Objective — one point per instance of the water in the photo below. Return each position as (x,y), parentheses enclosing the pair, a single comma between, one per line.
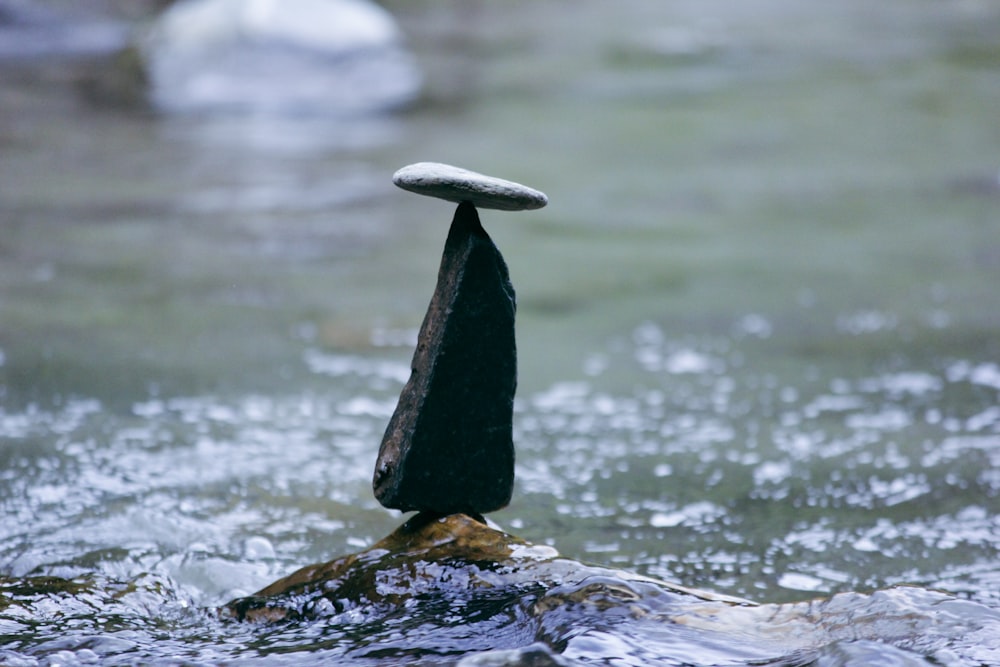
(758,335)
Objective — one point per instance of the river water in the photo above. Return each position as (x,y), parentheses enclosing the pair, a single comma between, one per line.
(758,330)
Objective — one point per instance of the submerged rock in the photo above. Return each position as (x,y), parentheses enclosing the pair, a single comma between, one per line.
(447,590)
(454,557)
(313,56)
(449,446)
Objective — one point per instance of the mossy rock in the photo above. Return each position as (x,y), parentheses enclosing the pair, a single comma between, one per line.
(455,557)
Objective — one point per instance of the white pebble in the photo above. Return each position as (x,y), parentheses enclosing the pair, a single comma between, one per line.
(455,184)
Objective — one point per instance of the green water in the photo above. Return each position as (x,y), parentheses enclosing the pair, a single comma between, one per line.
(758,323)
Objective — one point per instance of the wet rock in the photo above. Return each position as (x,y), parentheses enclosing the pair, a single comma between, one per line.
(456,557)
(356,577)
(314,56)
(443,587)
(454,184)
(449,446)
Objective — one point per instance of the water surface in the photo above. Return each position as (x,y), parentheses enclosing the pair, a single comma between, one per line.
(758,327)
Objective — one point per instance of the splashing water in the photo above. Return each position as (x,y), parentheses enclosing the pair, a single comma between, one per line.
(205,327)
(125,526)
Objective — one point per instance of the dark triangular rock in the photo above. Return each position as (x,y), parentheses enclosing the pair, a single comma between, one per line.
(449,447)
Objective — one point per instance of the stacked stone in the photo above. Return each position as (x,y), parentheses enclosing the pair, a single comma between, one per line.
(449,446)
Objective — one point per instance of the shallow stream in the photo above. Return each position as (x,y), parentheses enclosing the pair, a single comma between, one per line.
(758,329)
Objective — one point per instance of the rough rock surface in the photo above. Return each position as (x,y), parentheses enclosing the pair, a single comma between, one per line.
(454,184)
(449,446)
(456,556)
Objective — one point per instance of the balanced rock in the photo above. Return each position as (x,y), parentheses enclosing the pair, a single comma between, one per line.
(449,446)
(454,184)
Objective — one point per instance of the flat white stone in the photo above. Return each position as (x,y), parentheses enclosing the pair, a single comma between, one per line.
(458,185)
